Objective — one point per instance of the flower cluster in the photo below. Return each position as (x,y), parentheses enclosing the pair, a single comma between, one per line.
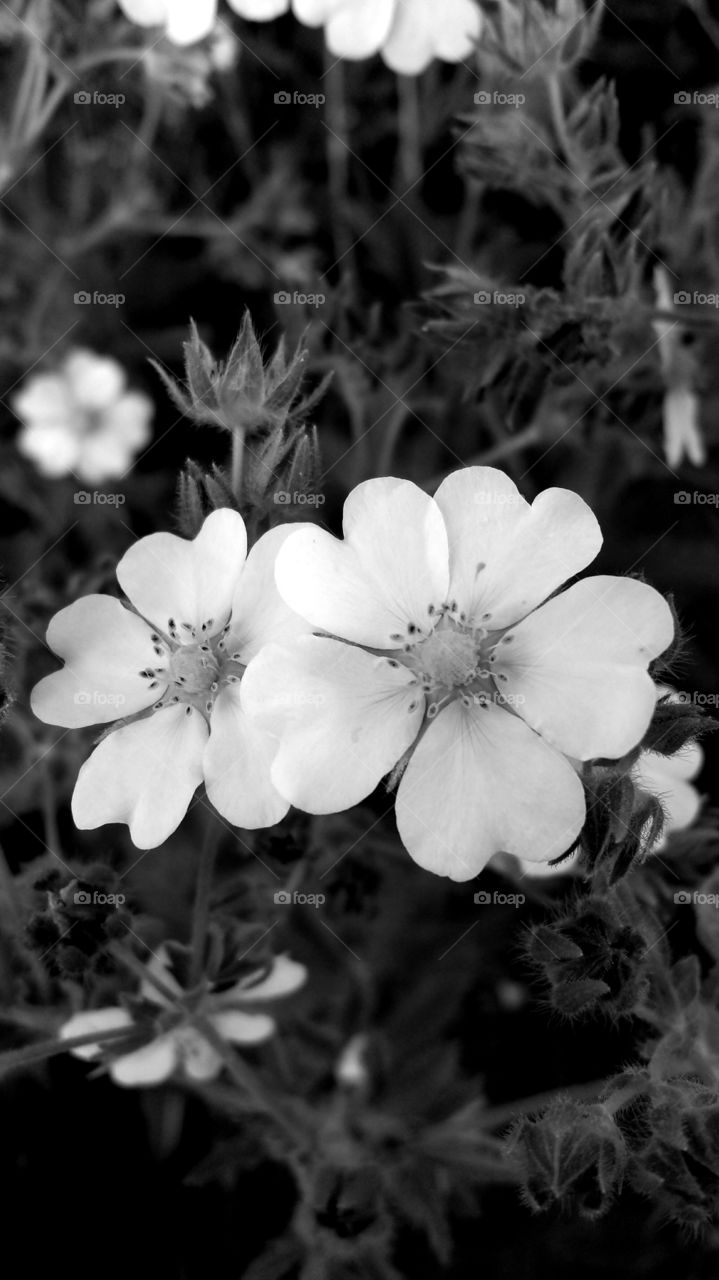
(430,644)
(82,420)
(407,35)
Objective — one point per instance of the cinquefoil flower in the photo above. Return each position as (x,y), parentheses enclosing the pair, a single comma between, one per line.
(82,420)
(439,651)
(409,34)
(186,21)
(162,1022)
(179,674)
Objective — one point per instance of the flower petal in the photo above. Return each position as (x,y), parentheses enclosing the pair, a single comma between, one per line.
(314,13)
(576,669)
(171,578)
(105,647)
(237,763)
(144,774)
(359,29)
(480,783)
(200,1059)
(53,446)
(243,1028)
(259,614)
(384,578)
(190,20)
(259,10)
(409,47)
(343,716)
(151,1064)
(668,778)
(146,13)
(95,382)
(506,556)
(285,977)
(91,1022)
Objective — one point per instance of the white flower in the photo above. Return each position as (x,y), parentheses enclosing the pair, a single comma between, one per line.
(681,407)
(409,34)
(175,1043)
(179,676)
(667,777)
(82,419)
(448,659)
(186,21)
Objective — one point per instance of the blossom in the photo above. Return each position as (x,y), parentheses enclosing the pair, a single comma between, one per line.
(175,680)
(162,1020)
(407,33)
(440,661)
(186,21)
(680,407)
(82,419)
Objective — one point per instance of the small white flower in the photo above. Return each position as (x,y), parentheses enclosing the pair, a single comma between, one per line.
(175,1044)
(681,406)
(179,675)
(186,21)
(409,34)
(82,419)
(435,651)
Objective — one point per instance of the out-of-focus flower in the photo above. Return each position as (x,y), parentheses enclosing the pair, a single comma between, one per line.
(162,1022)
(82,419)
(175,681)
(667,777)
(186,21)
(682,431)
(437,657)
(408,34)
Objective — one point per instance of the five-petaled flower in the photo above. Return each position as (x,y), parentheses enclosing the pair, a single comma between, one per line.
(82,420)
(177,678)
(446,653)
(162,1035)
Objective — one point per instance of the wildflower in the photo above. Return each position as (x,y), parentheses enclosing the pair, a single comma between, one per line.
(681,408)
(162,1019)
(186,21)
(438,662)
(82,419)
(175,681)
(408,36)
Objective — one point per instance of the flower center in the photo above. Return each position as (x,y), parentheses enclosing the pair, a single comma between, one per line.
(455,661)
(193,668)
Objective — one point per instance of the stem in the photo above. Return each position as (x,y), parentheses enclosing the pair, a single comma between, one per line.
(238,461)
(203,894)
(338,160)
(409,130)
